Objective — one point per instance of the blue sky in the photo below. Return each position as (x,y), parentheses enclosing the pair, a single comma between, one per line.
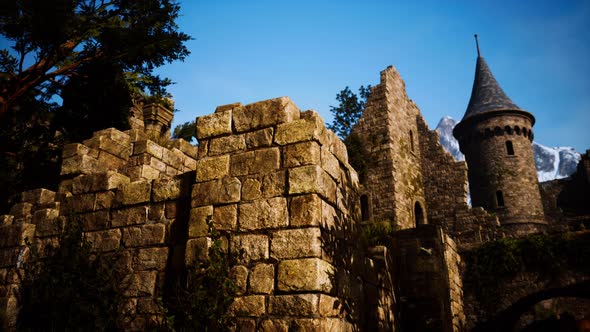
(246,51)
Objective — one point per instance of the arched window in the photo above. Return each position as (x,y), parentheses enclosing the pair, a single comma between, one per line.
(509,148)
(499,198)
(411,140)
(365,208)
(419,214)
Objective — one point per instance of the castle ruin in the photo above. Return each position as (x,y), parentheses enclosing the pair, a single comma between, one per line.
(277,186)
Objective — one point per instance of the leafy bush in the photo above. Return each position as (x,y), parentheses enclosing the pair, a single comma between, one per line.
(69,288)
(377,233)
(201,304)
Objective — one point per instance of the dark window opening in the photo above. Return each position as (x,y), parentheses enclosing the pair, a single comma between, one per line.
(419,214)
(509,148)
(412,140)
(499,198)
(365,208)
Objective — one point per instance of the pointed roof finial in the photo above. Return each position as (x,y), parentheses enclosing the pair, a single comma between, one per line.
(477,44)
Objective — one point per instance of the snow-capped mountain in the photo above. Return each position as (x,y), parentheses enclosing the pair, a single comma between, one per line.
(551,163)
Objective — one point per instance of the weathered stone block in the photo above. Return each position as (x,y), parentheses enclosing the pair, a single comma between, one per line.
(259,138)
(330,306)
(301,154)
(274,325)
(186,147)
(253,162)
(142,172)
(330,164)
(322,324)
(106,240)
(149,147)
(337,147)
(227,107)
(118,136)
(262,279)
(213,125)
(212,168)
(20,210)
(293,305)
(312,179)
(80,164)
(130,216)
(250,247)
(223,191)
(296,243)
(308,274)
(225,217)
(16,235)
(150,259)
(305,210)
(109,161)
(198,221)
(74,149)
(168,189)
(134,192)
(39,197)
(88,202)
(197,250)
(253,306)
(239,275)
(45,220)
(139,284)
(310,127)
(262,214)
(144,235)
(92,221)
(173,157)
(103,143)
(226,144)
(98,182)
(265,113)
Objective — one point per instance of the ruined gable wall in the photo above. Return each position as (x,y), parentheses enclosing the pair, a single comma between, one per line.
(394,177)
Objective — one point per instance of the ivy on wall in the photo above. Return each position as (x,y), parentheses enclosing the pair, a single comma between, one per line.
(489,267)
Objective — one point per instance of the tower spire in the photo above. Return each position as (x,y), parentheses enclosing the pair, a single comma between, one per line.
(477,45)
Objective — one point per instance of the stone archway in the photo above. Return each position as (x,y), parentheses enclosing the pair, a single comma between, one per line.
(419,217)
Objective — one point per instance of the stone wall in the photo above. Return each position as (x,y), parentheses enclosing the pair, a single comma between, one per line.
(279,186)
(389,131)
(274,183)
(427,280)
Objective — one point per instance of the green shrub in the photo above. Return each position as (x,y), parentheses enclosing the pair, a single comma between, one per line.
(69,287)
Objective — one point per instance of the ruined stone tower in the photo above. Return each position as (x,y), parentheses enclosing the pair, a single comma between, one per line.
(495,135)
(388,129)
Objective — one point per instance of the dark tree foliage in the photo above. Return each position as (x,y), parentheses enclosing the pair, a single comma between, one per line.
(349,110)
(97,98)
(93,55)
(60,36)
(186,131)
(69,288)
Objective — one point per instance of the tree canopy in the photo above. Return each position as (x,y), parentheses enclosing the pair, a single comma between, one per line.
(349,110)
(74,67)
(53,40)
(346,114)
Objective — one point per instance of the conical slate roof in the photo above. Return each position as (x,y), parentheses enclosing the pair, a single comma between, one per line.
(487,95)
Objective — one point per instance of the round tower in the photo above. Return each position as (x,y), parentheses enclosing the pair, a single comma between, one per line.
(496,137)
